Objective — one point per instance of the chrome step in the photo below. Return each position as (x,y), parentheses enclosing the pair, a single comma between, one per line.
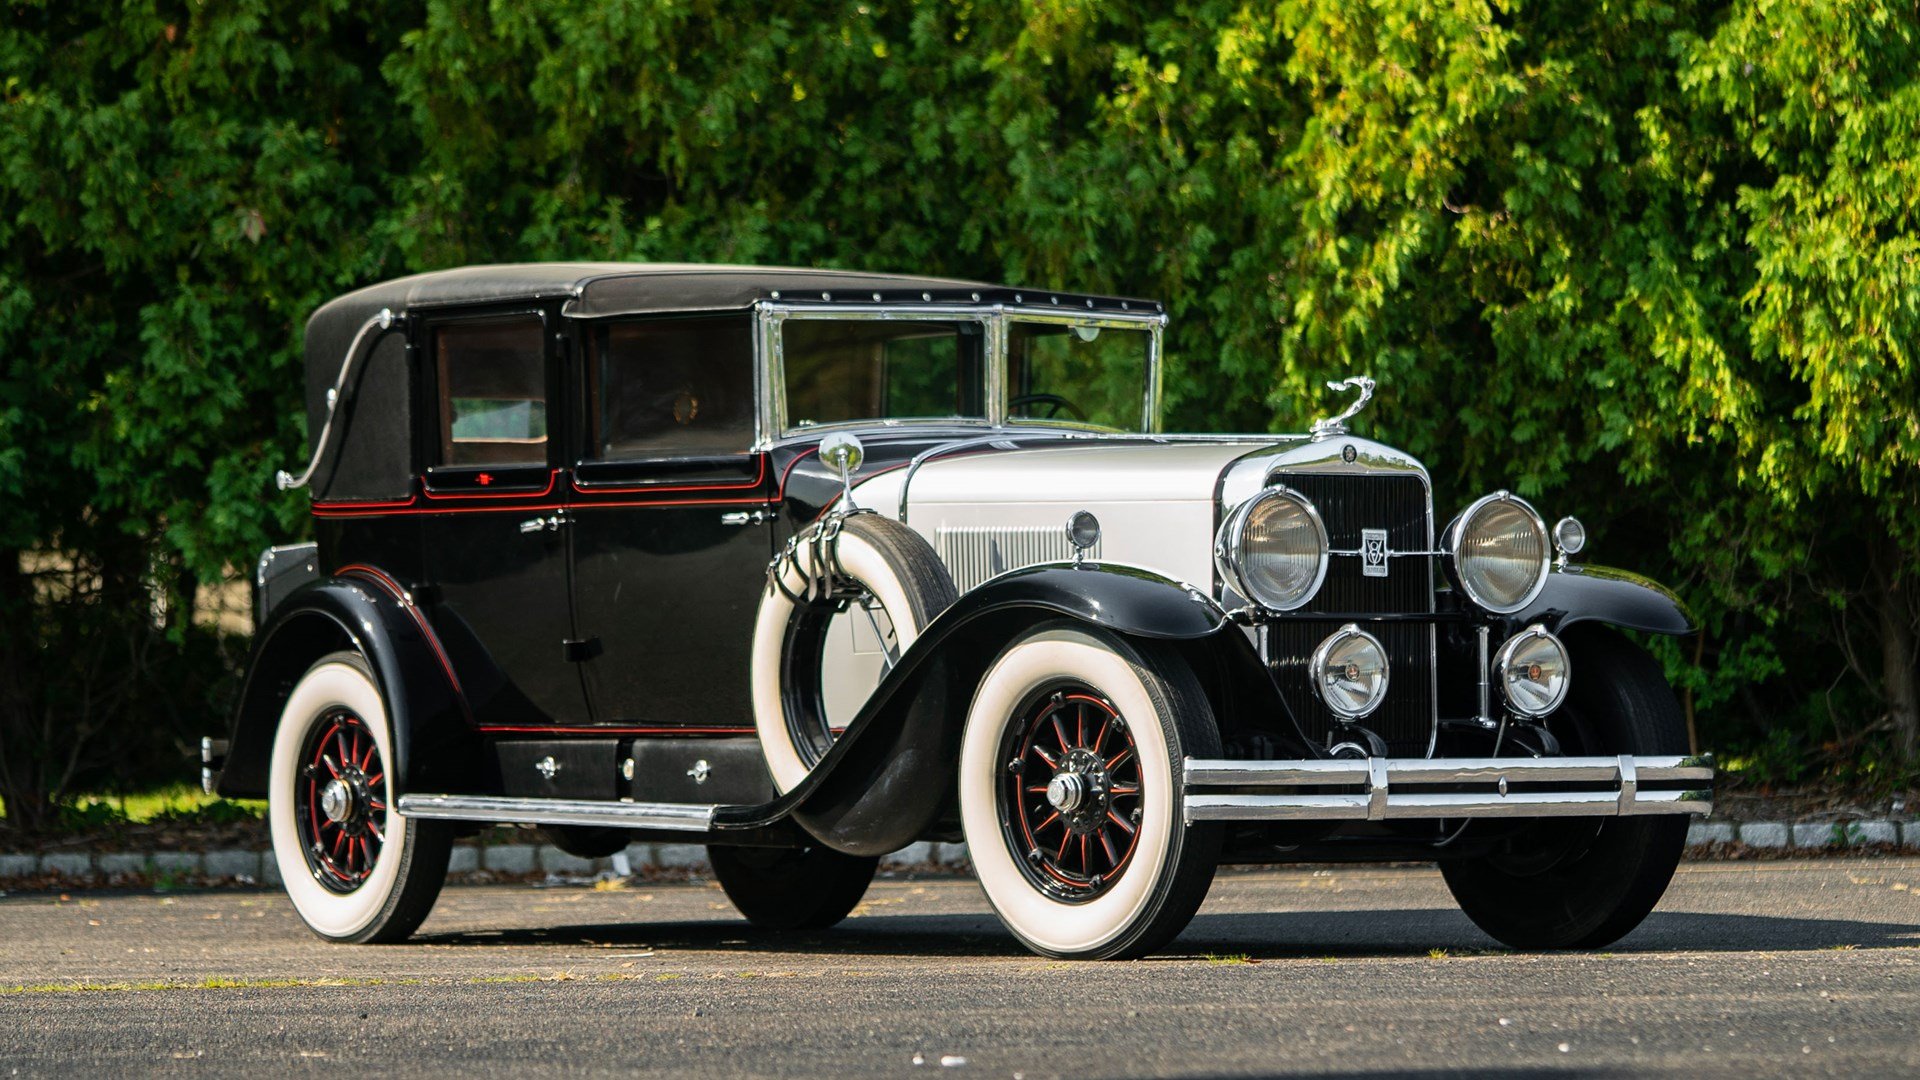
(1385,785)
(680,817)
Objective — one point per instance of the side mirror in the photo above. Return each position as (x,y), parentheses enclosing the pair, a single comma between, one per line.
(843,454)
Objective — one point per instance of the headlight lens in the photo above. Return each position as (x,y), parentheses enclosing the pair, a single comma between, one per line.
(1273,549)
(1350,672)
(1533,671)
(1497,553)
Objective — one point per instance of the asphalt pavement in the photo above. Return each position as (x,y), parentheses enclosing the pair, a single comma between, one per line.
(1747,968)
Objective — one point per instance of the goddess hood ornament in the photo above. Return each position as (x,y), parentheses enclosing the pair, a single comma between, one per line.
(1337,425)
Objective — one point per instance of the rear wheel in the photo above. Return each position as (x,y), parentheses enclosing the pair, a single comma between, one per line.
(355,870)
(1584,883)
(792,888)
(1070,793)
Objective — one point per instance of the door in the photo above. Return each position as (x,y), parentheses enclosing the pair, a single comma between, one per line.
(671,525)
(494,530)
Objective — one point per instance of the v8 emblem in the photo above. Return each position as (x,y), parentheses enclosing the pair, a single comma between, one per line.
(1373,552)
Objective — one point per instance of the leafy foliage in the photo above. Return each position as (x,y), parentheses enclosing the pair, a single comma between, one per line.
(1652,261)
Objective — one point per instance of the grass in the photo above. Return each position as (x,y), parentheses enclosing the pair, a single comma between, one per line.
(172,801)
(179,803)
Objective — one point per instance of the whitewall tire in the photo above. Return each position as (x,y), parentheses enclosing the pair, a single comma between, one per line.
(355,870)
(888,583)
(1070,793)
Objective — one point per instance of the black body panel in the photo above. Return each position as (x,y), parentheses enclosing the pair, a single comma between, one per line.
(558,768)
(671,771)
(667,586)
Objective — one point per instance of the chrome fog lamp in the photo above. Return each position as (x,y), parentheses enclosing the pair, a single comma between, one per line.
(1349,672)
(1533,671)
(1273,549)
(1497,553)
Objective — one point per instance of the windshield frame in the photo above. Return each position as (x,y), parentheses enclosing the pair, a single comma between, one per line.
(995,319)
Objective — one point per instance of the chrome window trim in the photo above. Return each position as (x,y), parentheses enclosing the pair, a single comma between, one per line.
(770,364)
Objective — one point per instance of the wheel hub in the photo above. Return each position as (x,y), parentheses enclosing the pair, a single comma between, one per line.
(336,801)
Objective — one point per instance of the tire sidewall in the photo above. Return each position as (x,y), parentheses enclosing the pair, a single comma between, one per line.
(1106,923)
(334,683)
(866,563)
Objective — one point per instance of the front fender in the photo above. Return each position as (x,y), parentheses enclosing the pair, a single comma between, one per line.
(1577,594)
(366,612)
(889,779)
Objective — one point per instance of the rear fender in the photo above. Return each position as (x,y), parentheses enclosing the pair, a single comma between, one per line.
(889,780)
(364,611)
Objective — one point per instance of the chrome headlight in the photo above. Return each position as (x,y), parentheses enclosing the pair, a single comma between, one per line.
(1497,553)
(1273,549)
(1349,672)
(1533,671)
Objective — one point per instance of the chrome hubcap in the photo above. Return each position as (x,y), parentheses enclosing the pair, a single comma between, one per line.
(1066,791)
(336,801)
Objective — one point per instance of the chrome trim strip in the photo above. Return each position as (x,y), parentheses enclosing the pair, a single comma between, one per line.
(681,817)
(1385,781)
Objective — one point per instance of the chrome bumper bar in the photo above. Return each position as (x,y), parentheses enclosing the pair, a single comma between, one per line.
(1400,789)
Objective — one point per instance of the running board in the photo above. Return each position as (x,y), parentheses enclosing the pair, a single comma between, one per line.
(677,817)
(1390,788)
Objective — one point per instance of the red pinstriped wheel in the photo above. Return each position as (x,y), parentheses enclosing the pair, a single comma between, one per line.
(341,801)
(1072,797)
(354,867)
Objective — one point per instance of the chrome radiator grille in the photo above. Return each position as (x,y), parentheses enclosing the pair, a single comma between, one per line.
(974,553)
(1398,503)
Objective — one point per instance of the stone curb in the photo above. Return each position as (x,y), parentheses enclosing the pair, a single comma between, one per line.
(505,859)
(164,867)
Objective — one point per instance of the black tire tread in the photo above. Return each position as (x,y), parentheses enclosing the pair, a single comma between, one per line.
(1599,895)
(799,889)
(929,587)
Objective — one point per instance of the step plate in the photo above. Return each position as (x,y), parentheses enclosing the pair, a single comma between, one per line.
(678,817)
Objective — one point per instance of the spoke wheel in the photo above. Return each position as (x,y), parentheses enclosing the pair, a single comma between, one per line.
(340,802)
(356,870)
(1070,795)
(1072,798)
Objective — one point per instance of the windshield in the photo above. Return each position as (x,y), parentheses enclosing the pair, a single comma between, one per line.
(1079,374)
(841,370)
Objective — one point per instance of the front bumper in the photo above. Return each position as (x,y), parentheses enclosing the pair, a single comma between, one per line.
(1403,789)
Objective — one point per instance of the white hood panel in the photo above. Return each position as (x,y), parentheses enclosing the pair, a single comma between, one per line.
(999,510)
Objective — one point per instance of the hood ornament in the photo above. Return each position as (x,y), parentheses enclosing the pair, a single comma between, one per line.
(1337,425)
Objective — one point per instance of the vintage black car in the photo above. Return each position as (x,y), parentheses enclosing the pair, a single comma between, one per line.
(809,565)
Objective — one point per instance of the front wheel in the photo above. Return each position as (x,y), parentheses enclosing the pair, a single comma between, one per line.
(355,870)
(1070,793)
(1583,883)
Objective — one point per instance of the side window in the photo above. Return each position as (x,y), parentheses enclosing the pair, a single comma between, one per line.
(493,392)
(668,387)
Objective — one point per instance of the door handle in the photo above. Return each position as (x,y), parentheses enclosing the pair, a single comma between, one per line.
(746,517)
(550,523)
